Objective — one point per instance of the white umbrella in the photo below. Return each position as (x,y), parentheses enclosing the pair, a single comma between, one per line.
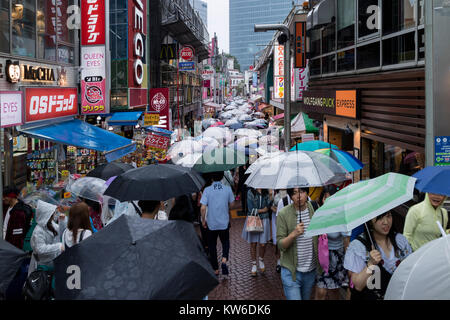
(230,107)
(88,188)
(183,148)
(255,165)
(247,132)
(208,143)
(222,135)
(297,169)
(267,149)
(268,140)
(245,117)
(189,160)
(423,275)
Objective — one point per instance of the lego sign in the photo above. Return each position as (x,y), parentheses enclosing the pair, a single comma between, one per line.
(93,22)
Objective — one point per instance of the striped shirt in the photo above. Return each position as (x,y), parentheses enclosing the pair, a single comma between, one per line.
(305,249)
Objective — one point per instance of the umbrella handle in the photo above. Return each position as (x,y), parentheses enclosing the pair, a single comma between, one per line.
(441,229)
(370,237)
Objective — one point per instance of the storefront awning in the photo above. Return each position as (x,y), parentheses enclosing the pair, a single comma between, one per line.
(212,104)
(124,118)
(262,106)
(83,135)
(278,116)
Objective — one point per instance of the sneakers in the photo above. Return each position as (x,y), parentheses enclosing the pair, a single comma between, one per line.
(254,269)
(224,269)
(261,265)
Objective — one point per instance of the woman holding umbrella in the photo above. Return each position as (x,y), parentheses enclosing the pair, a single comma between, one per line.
(375,256)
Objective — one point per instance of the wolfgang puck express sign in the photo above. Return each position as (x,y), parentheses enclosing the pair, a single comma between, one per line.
(342,103)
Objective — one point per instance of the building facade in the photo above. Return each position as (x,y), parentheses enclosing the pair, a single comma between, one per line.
(202,8)
(244,42)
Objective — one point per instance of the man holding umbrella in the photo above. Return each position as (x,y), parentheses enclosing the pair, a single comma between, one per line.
(298,253)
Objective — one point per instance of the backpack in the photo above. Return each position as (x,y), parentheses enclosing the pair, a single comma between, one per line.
(38,286)
(29,214)
(285,201)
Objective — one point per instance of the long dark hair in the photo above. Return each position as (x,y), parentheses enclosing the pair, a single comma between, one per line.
(92,204)
(183,209)
(391,235)
(50,226)
(327,189)
(79,219)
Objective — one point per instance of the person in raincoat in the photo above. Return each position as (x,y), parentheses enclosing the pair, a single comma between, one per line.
(46,239)
(420,224)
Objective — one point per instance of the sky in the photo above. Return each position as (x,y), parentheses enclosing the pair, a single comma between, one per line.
(218,22)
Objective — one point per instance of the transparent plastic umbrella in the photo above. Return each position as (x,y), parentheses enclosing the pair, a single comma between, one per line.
(88,188)
(189,160)
(32,198)
(222,135)
(247,133)
(268,140)
(182,148)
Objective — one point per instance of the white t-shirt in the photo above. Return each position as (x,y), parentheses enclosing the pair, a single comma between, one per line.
(68,236)
(281,204)
(305,248)
(5,223)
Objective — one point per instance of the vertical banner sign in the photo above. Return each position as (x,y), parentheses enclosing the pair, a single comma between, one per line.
(159,103)
(278,72)
(94,94)
(300,47)
(299,82)
(137,74)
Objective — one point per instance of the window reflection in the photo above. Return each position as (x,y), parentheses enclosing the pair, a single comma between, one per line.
(23,20)
(346,23)
(4,26)
(46,29)
(398,15)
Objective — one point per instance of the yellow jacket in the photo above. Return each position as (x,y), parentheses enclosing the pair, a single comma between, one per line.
(420,224)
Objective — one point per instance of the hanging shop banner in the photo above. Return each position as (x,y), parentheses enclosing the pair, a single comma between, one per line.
(93,80)
(137,67)
(299,82)
(344,103)
(159,103)
(278,72)
(93,22)
(11,108)
(50,103)
(157,146)
(442,151)
(151,119)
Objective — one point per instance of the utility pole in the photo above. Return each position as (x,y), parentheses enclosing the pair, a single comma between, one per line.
(287,76)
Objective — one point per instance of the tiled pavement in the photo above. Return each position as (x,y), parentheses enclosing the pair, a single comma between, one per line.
(240,285)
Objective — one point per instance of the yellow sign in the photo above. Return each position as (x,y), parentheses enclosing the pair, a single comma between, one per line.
(67,195)
(151,119)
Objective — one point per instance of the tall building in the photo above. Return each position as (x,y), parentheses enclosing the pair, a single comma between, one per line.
(202,8)
(244,14)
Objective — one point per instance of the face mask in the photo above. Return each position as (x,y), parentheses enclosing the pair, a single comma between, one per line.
(55,217)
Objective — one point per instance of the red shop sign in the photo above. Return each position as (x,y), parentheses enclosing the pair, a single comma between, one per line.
(92,22)
(50,103)
(157,141)
(159,103)
(187,54)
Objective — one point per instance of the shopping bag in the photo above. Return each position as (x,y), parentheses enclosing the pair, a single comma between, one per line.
(254,222)
(324,253)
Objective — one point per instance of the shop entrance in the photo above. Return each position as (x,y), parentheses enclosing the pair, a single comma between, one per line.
(343,139)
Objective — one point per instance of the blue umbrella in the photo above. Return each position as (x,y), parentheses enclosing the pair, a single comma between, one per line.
(313,146)
(434,180)
(236,126)
(348,161)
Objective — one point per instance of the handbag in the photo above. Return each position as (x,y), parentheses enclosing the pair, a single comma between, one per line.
(38,286)
(254,222)
(324,253)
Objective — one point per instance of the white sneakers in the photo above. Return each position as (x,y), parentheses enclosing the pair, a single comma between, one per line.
(262,268)
(254,269)
(261,265)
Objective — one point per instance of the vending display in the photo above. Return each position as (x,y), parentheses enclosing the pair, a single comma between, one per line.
(41,164)
(82,161)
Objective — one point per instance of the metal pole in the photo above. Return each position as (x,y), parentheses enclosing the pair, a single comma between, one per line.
(429,85)
(287,93)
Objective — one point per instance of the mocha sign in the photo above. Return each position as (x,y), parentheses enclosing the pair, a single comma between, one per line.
(340,103)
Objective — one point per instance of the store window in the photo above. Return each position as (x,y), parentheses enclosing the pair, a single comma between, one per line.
(315,43)
(398,15)
(421,12)
(345,23)
(368,18)
(399,49)
(421,48)
(23,22)
(346,60)
(4,26)
(46,30)
(369,56)
(329,64)
(315,67)
(329,38)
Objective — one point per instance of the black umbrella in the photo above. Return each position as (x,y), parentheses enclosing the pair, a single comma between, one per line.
(136,259)
(108,170)
(11,258)
(155,182)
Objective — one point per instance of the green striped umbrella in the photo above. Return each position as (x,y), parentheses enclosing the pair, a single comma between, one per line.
(220,159)
(361,202)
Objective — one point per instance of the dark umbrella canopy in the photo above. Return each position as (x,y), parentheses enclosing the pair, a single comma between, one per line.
(106,171)
(138,259)
(11,258)
(155,182)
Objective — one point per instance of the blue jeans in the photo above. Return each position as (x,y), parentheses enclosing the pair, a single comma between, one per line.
(301,288)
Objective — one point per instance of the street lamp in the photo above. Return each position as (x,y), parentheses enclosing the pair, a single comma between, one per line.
(283,39)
